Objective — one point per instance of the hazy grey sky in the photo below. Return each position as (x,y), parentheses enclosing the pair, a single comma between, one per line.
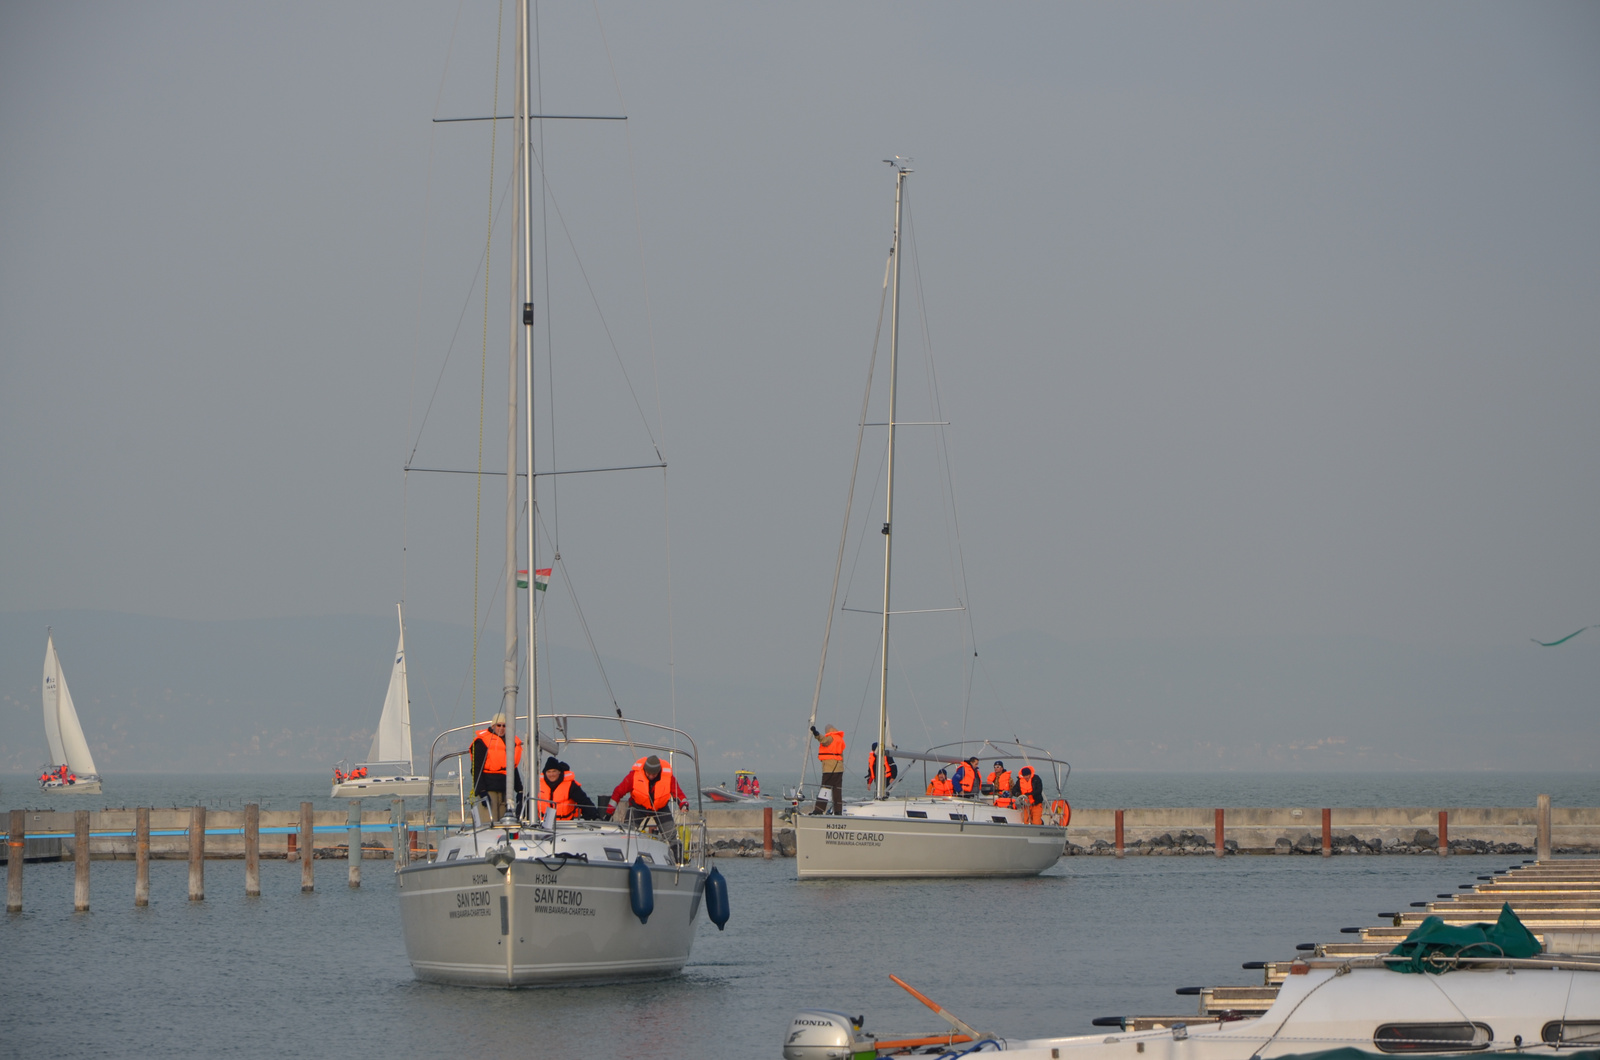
(1251,319)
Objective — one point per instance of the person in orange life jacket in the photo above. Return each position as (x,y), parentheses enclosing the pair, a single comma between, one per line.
(940,785)
(489,766)
(965,778)
(872,769)
(652,789)
(558,786)
(1030,796)
(830,753)
(999,780)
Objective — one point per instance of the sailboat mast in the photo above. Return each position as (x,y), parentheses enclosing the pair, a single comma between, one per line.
(881,773)
(525,128)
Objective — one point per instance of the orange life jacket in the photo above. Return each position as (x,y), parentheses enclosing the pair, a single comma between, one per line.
(1001,780)
(936,786)
(831,749)
(643,797)
(969,778)
(566,809)
(1031,789)
(872,766)
(1005,801)
(494,758)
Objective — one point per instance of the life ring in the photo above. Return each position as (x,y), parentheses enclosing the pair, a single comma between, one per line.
(1061,810)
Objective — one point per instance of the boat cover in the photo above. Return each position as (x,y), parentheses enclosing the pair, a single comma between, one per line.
(1434,940)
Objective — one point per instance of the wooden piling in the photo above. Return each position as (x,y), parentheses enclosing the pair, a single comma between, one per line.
(307,850)
(252,850)
(80,861)
(766,833)
(1219,832)
(397,831)
(1543,845)
(18,843)
(1119,833)
(353,843)
(197,854)
(141,855)
(1327,832)
(1444,833)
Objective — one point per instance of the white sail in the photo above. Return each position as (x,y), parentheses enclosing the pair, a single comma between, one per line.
(61,727)
(392,741)
(54,688)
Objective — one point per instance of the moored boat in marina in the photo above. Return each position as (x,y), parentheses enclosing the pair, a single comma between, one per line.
(1500,987)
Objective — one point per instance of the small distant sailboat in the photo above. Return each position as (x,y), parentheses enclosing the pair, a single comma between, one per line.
(388,769)
(71,770)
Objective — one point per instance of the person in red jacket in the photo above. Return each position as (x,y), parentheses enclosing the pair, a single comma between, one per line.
(651,790)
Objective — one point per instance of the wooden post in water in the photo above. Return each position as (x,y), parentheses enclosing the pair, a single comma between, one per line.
(1444,833)
(308,852)
(197,854)
(1219,832)
(141,856)
(252,850)
(353,843)
(18,845)
(766,833)
(1543,844)
(1119,833)
(1327,832)
(397,831)
(80,860)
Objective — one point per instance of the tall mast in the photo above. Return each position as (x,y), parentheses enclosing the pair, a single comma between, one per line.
(525,126)
(881,773)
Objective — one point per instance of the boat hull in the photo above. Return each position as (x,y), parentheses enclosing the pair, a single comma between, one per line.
(1329,1010)
(82,787)
(544,923)
(375,787)
(862,844)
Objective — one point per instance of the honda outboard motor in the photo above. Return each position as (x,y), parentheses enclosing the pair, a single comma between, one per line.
(817,1034)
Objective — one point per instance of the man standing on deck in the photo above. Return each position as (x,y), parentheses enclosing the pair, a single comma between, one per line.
(830,752)
(1030,791)
(489,766)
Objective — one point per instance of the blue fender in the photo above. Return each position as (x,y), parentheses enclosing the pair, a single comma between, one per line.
(717,898)
(641,890)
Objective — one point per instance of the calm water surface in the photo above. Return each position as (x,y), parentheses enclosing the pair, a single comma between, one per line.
(297,975)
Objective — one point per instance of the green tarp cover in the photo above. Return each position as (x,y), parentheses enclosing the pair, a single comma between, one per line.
(1506,937)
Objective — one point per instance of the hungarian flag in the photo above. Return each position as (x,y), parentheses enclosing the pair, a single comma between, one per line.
(541,579)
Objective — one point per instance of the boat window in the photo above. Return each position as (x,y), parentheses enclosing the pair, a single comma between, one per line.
(917,813)
(648,858)
(958,817)
(1000,820)
(613,854)
(1571,1032)
(453,853)
(1432,1037)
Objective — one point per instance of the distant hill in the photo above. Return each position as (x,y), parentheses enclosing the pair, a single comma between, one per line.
(277,695)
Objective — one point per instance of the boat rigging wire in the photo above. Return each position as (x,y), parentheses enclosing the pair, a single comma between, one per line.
(483,370)
(844,529)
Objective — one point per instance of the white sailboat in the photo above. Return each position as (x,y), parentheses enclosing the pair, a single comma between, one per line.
(71,770)
(536,899)
(389,769)
(923,835)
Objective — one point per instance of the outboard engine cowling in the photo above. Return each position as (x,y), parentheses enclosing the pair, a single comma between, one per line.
(819,1034)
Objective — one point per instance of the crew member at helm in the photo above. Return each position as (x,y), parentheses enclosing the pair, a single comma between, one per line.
(489,766)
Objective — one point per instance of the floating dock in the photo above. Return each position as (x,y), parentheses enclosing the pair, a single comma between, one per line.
(1557,900)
